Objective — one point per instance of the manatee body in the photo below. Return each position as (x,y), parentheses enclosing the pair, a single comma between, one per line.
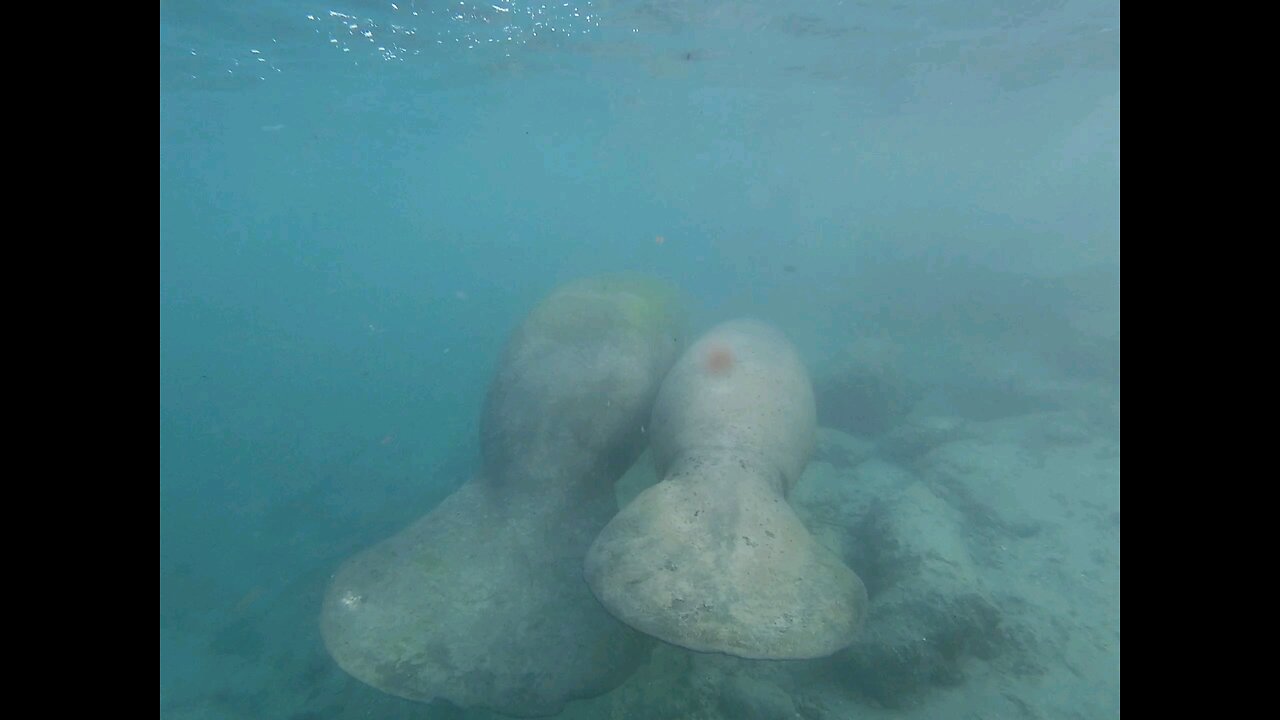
(481,601)
(712,558)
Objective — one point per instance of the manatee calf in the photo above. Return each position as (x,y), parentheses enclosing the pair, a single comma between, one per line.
(712,558)
(482,602)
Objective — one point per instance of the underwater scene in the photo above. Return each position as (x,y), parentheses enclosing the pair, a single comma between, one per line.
(640,360)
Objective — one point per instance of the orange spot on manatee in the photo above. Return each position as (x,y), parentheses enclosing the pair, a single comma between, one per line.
(659,240)
(719,360)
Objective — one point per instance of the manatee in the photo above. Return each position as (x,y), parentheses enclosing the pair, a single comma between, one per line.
(481,602)
(713,558)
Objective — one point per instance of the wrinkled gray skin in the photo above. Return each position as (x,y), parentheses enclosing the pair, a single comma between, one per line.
(481,602)
(713,558)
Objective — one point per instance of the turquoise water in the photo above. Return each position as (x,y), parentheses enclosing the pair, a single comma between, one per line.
(359,201)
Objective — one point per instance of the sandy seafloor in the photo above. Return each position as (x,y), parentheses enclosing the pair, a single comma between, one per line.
(1009,606)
